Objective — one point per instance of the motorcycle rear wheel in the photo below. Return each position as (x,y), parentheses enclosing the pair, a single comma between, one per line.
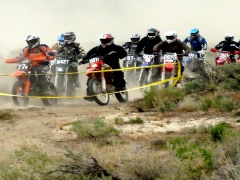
(95,89)
(52,92)
(18,92)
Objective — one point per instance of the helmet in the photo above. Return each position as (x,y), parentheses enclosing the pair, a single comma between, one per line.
(171,36)
(229,37)
(69,37)
(32,41)
(194,33)
(106,39)
(135,38)
(152,33)
(61,39)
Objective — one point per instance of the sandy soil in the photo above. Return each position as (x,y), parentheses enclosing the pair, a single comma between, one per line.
(44,126)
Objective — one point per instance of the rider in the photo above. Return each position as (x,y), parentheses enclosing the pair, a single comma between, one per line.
(74,51)
(111,53)
(174,45)
(147,43)
(197,42)
(131,46)
(228,45)
(37,50)
(55,47)
(59,43)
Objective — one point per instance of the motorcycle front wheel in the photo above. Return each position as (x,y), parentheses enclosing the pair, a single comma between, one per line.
(95,89)
(60,84)
(71,88)
(143,79)
(52,91)
(18,92)
(122,97)
(168,75)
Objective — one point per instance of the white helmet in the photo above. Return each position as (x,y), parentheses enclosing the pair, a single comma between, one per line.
(106,39)
(135,38)
(171,36)
(229,37)
(32,41)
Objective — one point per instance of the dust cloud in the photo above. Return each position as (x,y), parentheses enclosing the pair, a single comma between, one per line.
(89,18)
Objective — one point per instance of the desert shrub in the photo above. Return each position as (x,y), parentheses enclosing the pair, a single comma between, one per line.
(163,99)
(29,162)
(189,104)
(94,129)
(194,86)
(220,100)
(137,120)
(218,130)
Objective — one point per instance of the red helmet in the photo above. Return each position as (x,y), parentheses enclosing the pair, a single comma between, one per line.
(106,39)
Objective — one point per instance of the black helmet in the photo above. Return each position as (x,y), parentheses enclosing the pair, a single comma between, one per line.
(69,37)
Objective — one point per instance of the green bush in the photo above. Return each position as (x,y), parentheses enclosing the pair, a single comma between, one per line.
(194,86)
(94,129)
(217,131)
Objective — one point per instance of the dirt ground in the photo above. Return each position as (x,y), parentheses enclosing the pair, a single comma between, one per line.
(44,126)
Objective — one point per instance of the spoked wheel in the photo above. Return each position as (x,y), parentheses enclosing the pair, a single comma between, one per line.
(18,92)
(167,76)
(71,88)
(60,84)
(143,79)
(122,96)
(52,92)
(95,89)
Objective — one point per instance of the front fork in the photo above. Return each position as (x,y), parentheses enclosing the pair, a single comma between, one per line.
(103,81)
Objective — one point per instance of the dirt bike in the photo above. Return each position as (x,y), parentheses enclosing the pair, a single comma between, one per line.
(170,68)
(192,64)
(100,84)
(132,61)
(146,73)
(223,57)
(63,78)
(27,84)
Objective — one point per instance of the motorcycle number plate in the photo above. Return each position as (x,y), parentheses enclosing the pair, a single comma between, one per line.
(62,61)
(59,69)
(148,58)
(129,58)
(93,60)
(223,56)
(170,57)
(23,66)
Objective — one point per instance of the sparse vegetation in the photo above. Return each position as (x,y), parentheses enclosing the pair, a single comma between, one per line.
(94,129)
(103,152)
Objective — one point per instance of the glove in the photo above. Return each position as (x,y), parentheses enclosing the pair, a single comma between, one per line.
(82,62)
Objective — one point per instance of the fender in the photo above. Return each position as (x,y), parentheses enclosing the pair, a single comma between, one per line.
(19,73)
